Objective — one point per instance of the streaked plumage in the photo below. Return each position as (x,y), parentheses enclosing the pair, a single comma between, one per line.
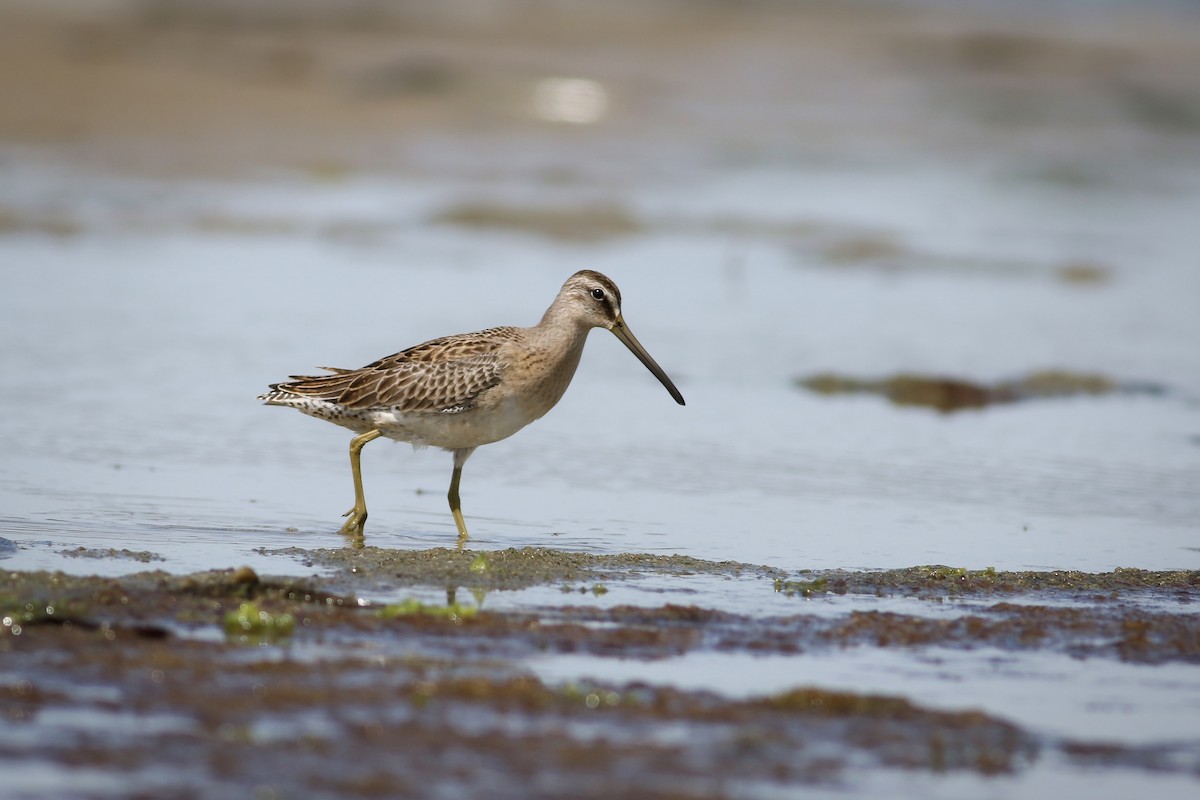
(460,392)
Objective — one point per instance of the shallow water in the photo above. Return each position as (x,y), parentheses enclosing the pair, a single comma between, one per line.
(140,352)
(1057,695)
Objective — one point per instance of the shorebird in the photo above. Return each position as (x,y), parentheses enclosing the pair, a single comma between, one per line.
(463,391)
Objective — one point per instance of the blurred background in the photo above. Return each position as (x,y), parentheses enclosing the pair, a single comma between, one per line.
(1062,91)
(925,271)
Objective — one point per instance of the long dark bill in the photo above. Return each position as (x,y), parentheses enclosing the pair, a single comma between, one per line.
(622,332)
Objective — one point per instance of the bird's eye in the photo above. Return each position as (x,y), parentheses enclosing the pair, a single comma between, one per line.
(598,294)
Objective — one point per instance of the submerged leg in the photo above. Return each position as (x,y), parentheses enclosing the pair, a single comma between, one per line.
(460,458)
(358,514)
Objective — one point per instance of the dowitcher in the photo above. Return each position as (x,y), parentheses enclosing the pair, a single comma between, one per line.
(467,390)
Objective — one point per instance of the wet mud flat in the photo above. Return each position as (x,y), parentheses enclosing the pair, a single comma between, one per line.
(193,685)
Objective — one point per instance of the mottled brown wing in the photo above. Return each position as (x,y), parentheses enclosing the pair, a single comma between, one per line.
(441,375)
(423,386)
(451,348)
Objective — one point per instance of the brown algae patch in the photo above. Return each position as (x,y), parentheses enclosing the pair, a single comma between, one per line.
(1084,273)
(953,394)
(863,248)
(13,221)
(586,224)
(311,689)
(1130,635)
(151,598)
(847,247)
(144,556)
(353,723)
(939,579)
(1104,630)
(514,568)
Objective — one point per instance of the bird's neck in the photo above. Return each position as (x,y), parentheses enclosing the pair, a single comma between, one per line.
(560,334)
(555,347)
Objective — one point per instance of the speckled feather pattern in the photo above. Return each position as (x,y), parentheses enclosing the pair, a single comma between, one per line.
(441,375)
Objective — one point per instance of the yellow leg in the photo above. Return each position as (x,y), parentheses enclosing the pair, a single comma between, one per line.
(460,458)
(358,514)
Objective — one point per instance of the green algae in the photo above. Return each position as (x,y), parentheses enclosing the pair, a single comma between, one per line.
(250,623)
(801,588)
(16,615)
(452,612)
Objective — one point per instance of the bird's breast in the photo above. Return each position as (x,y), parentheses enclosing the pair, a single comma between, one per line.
(537,378)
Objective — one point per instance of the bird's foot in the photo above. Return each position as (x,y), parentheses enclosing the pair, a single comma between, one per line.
(356,520)
(461,524)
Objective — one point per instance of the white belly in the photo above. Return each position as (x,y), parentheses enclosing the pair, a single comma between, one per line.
(451,430)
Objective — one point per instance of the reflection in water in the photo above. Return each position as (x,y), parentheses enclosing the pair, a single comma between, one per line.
(574,100)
